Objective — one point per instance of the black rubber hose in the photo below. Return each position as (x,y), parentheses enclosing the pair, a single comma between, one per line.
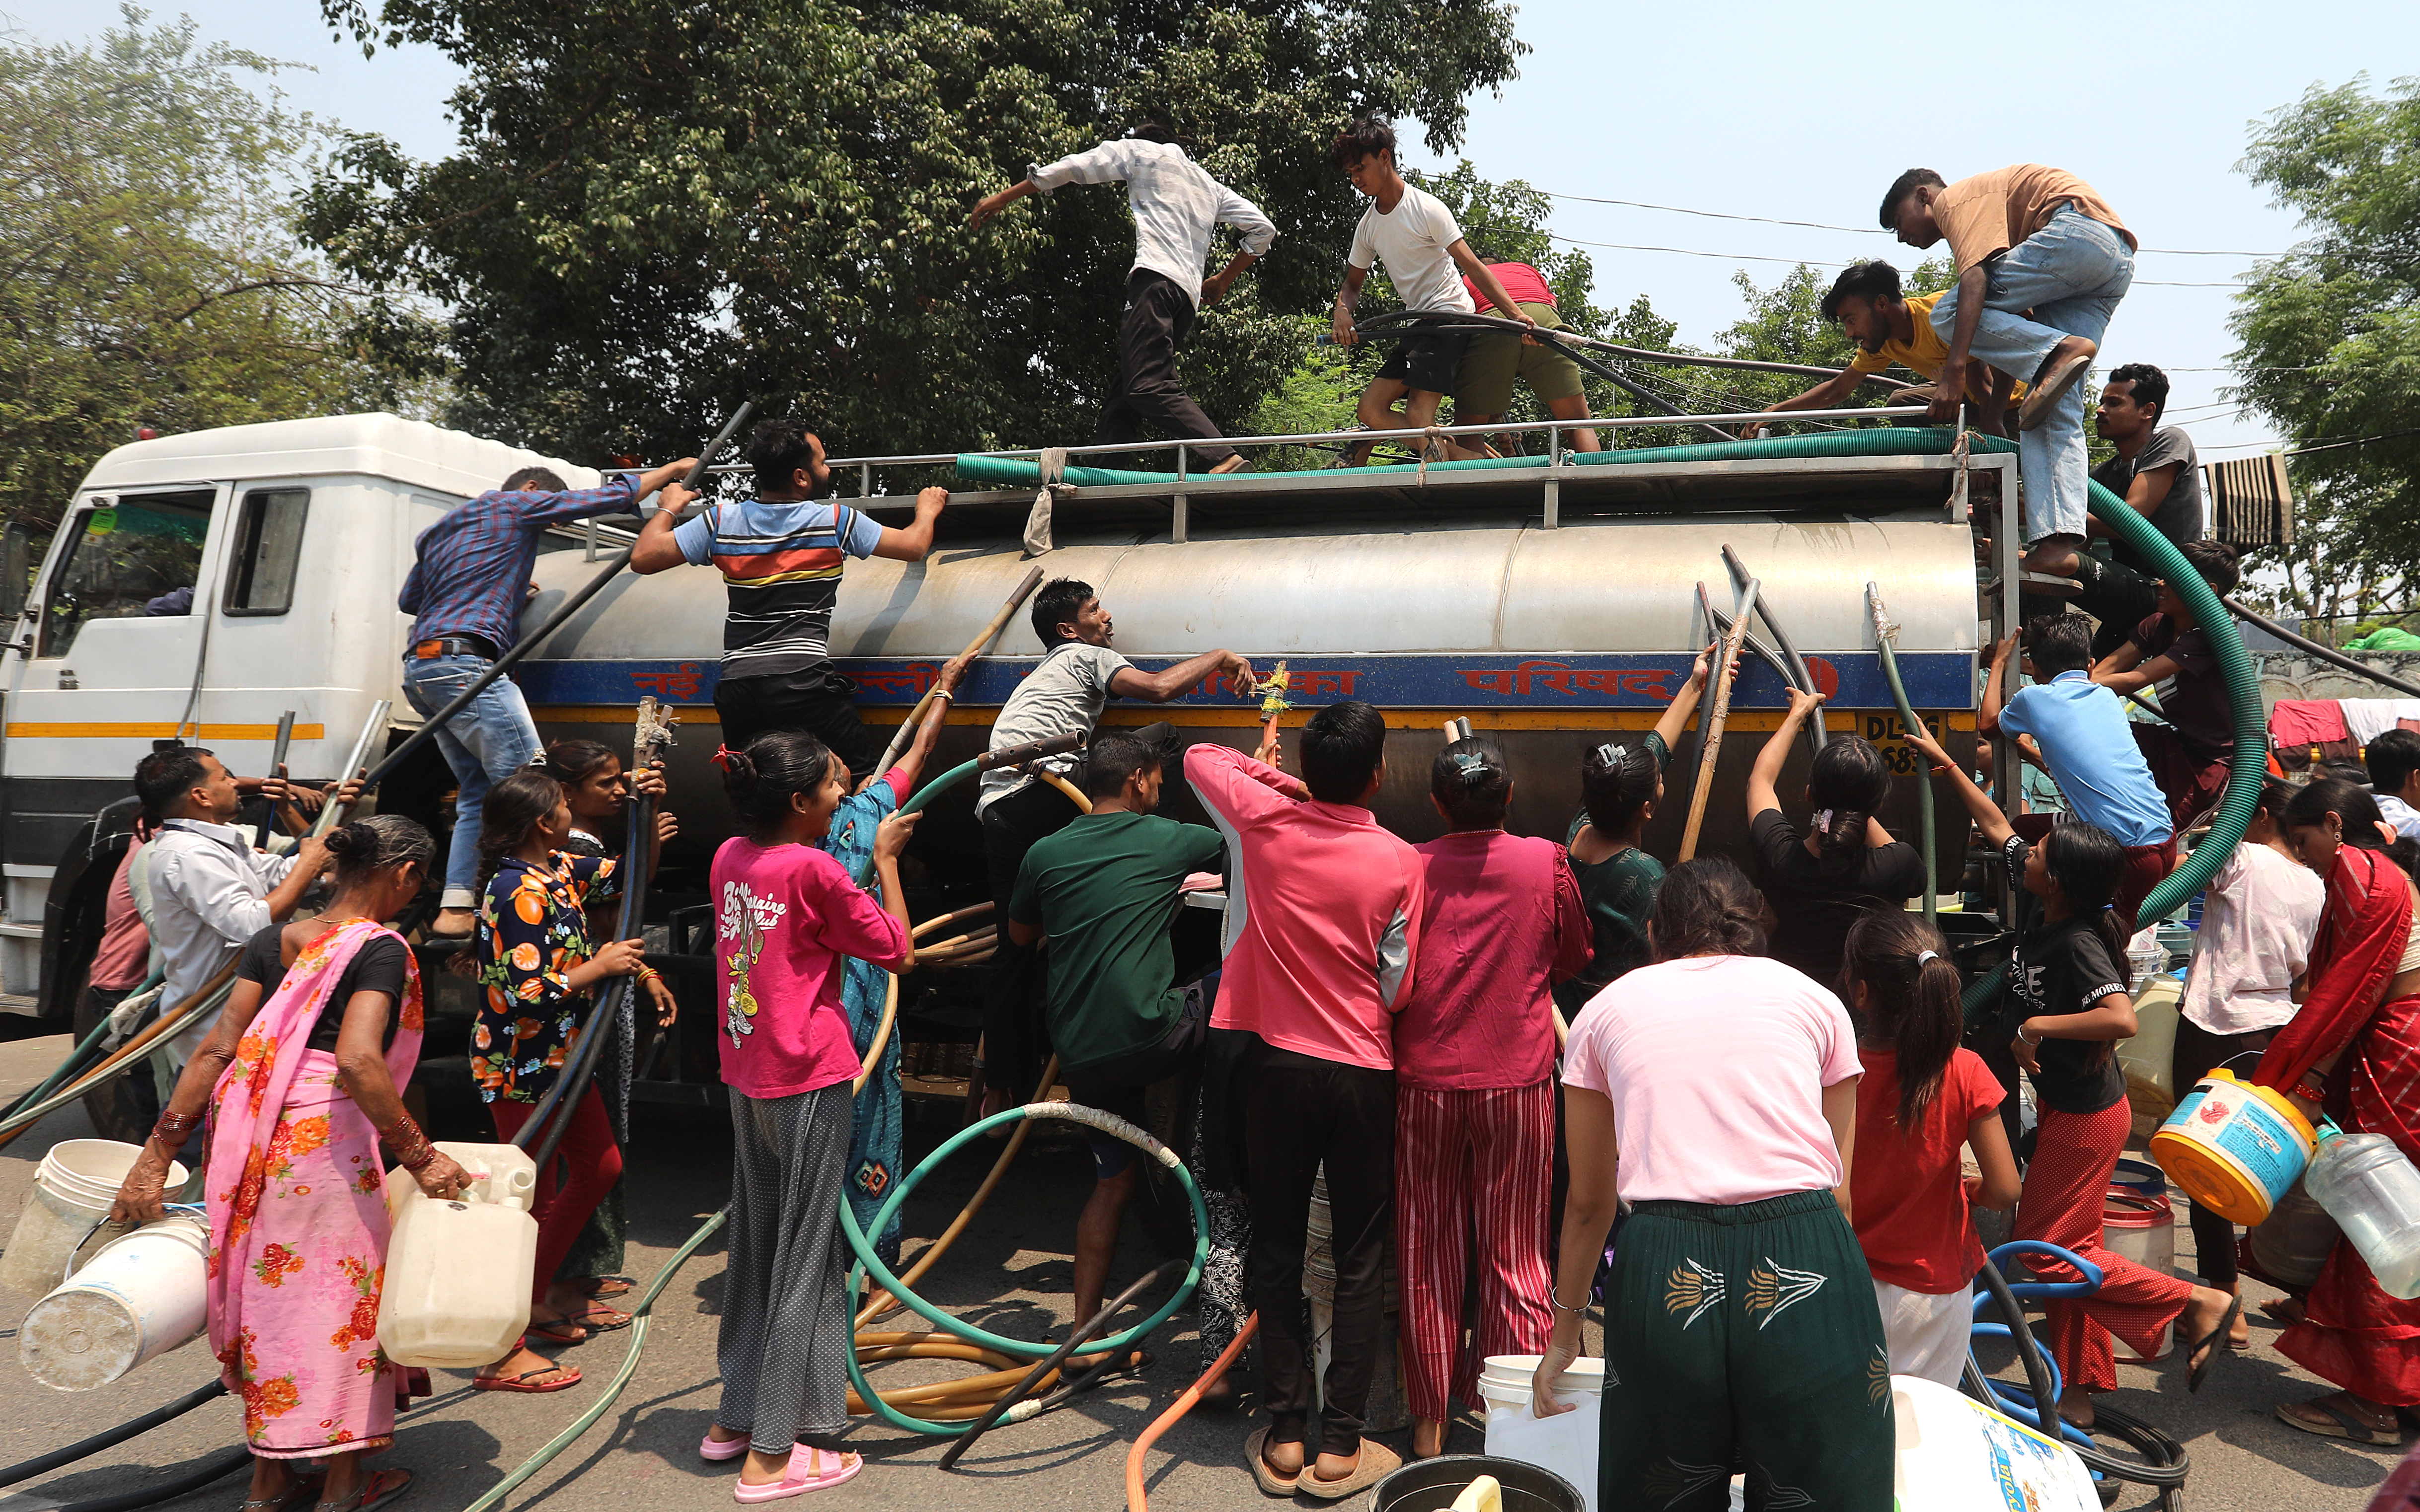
(1673,359)
(1050,1362)
(44,1464)
(1798,676)
(217,1467)
(1454,320)
(2046,1402)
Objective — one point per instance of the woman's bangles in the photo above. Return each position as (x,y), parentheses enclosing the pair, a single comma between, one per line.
(404,1140)
(173,1127)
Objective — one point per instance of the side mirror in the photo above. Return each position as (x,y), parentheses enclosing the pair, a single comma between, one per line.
(16,570)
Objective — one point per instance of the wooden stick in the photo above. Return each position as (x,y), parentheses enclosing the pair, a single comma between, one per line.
(980,646)
(1721,712)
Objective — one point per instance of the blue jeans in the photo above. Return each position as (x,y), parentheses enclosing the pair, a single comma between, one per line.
(2069,275)
(489,741)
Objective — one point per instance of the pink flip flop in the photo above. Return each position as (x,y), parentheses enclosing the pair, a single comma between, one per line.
(810,1470)
(711,1447)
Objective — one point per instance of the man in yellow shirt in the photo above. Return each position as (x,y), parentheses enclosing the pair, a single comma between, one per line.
(1889,327)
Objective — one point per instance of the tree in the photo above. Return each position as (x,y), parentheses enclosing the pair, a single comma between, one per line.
(2331,338)
(149,275)
(658,208)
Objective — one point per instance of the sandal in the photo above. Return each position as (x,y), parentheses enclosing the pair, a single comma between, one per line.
(809,1471)
(1271,1480)
(1375,1464)
(2214,1341)
(608,1286)
(305,1489)
(598,1319)
(2346,1425)
(559,1330)
(382,1488)
(520,1382)
(718,1450)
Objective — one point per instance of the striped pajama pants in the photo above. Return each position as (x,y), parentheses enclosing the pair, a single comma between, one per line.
(1470,1163)
(2066,1191)
(785,1333)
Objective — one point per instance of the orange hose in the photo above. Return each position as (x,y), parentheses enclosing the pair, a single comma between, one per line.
(1137,1500)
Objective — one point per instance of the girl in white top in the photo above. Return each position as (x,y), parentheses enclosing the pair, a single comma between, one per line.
(2255,943)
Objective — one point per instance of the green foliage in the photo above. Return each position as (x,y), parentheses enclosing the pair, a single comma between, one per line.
(2330,337)
(150,274)
(658,208)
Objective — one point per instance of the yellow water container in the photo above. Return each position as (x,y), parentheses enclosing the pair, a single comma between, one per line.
(2235,1147)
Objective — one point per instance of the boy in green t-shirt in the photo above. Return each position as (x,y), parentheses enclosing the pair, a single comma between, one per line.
(1104,890)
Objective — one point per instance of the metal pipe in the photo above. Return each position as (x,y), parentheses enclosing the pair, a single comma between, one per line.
(1799,677)
(553,622)
(2327,654)
(1885,644)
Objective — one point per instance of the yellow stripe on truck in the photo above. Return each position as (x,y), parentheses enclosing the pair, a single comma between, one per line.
(161,731)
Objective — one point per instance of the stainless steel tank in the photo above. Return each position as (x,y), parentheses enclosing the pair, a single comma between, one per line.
(1553,640)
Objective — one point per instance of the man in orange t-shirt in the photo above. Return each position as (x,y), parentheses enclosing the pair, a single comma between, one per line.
(2042,261)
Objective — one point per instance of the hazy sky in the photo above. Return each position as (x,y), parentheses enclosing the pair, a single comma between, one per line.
(1754,109)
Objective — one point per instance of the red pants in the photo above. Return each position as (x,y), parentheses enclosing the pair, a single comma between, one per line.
(2147,866)
(2066,1191)
(1479,1161)
(590,1162)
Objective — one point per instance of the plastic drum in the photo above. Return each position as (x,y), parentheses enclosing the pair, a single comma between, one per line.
(2234,1147)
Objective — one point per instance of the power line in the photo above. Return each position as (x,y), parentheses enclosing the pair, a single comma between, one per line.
(1758,257)
(1860,231)
(2322,446)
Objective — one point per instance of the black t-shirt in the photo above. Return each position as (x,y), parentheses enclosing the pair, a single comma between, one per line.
(2059,969)
(375,967)
(1812,911)
(2178,516)
(2195,699)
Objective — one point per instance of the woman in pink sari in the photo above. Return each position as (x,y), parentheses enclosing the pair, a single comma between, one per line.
(302,1089)
(2352,1053)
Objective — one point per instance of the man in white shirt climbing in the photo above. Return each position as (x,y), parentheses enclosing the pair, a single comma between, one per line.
(1176,208)
(1414,234)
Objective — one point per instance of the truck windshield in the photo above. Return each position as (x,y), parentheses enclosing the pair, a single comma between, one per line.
(129,557)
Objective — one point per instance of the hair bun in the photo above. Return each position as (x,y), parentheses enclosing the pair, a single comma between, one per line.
(345,838)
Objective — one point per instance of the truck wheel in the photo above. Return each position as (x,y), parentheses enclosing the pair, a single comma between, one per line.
(124,1108)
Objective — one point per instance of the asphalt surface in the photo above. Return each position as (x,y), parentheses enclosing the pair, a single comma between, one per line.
(1011,1272)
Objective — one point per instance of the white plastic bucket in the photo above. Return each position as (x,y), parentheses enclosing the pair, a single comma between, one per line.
(1565,1443)
(74,1188)
(2143,1228)
(1956,1455)
(143,1295)
(458,1273)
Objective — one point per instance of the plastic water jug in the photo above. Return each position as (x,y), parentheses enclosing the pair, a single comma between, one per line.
(2292,1246)
(1956,1455)
(2372,1191)
(142,1295)
(1565,1443)
(2148,1058)
(74,1188)
(458,1273)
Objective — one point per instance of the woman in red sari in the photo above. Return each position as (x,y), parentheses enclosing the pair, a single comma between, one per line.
(302,1089)
(2352,1053)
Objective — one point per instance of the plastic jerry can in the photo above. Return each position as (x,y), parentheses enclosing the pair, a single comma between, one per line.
(1956,1455)
(2148,1058)
(2372,1191)
(458,1273)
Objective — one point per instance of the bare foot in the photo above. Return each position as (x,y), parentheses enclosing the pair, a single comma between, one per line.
(522,1362)
(454,923)
(1428,1437)
(2075,1405)
(1284,1459)
(2377,1417)
(2287,1310)
(762,1468)
(2200,1316)
(1233,464)
(2054,555)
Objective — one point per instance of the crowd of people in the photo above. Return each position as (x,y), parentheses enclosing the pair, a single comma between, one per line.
(1426,1031)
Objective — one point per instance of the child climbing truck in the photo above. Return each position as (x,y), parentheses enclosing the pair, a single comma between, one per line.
(2189,756)
(1483,392)
(2086,742)
(1620,788)
(1474,1087)
(1846,864)
(2067,1006)
(1414,234)
(1921,1099)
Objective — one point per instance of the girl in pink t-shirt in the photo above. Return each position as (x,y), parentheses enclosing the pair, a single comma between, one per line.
(786,914)
(1923,1097)
(1739,1315)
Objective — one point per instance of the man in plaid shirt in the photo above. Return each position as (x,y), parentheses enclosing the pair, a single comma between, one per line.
(464,596)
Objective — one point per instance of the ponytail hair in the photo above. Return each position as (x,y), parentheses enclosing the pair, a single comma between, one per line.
(1847,783)
(2088,863)
(1707,907)
(1912,991)
(514,807)
(1616,783)
(1473,782)
(761,779)
(377,842)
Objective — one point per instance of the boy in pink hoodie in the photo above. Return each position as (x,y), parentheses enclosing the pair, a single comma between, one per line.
(1321,918)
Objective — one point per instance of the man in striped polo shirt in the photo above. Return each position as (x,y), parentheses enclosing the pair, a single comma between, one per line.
(781,555)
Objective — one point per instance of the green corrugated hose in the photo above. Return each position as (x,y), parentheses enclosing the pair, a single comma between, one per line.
(1883,637)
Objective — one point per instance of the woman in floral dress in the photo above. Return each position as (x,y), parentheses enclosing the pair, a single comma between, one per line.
(540,969)
(302,1090)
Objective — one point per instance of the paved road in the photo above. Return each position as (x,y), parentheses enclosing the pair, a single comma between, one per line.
(1013,1273)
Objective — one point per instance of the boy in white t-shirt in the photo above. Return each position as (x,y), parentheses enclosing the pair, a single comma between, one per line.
(1416,237)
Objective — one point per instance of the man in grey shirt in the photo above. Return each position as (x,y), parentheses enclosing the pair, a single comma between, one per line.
(1077,675)
(1176,207)
(2156,472)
